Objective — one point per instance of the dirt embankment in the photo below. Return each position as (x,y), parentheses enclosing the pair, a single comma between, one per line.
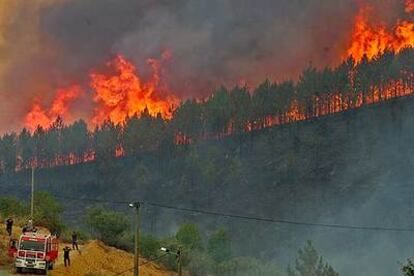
(95,259)
(5,260)
(4,242)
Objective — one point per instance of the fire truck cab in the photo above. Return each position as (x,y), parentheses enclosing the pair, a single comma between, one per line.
(36,252)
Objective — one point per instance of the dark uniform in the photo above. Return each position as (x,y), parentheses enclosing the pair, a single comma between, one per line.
(9,226)
(75,241)
(66,257)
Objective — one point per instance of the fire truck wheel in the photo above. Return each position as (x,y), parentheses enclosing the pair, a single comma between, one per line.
(50,266)
(19,270)
(44,272)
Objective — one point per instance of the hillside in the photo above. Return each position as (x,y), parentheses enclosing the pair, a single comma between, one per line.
(348,168)
(99,259)
(94,258)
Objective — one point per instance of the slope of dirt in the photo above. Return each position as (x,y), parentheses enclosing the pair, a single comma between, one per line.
(5,261)
(4,241)
(93,259)
(98,259)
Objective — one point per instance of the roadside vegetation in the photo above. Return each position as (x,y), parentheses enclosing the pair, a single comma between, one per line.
(203,253)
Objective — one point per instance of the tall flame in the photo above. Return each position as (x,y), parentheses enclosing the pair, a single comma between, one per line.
(39,116)
(370,40)
(125,94)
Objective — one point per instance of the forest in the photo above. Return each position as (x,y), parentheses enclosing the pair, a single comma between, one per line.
(352,167)
(235,112)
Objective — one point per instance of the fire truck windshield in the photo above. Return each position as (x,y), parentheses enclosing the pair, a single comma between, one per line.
(32,245)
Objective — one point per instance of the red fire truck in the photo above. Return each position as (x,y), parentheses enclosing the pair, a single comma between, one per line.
(36,252)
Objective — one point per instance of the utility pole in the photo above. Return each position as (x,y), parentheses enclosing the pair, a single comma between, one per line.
(32,199)
(178,256)
(136,206)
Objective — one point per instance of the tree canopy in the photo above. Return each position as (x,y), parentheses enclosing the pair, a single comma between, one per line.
(234,111)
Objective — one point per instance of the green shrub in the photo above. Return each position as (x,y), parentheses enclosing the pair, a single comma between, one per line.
(108,226)
(189,237)
(11,206)
(47,212)
(219,246)
(149,246)
(309,262)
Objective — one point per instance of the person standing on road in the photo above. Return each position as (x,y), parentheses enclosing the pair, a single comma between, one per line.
(66,257)
(9,226)
(75,241)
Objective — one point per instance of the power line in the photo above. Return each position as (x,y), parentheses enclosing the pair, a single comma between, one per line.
(282,221)
(255,218)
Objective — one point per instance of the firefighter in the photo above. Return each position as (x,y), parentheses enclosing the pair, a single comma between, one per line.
(29,227)
(75,241)
(12,248)
(66,257)
(9,226)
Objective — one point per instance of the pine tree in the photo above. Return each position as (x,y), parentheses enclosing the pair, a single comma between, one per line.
(309,263)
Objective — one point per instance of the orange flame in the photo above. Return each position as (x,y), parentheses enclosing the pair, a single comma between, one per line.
(39,116)
(370,40)
(125,94)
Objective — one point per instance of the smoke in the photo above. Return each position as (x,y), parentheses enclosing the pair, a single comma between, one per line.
(212,42)
(375,252)
(47,45)
(379,170)
(28,69)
